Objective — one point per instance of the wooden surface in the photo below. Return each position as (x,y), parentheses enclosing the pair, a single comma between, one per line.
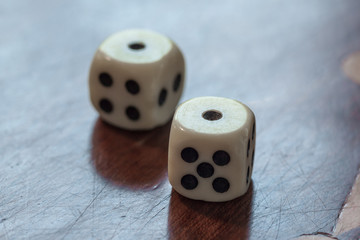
(64,174)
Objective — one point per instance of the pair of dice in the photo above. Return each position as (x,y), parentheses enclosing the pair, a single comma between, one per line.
(136,80)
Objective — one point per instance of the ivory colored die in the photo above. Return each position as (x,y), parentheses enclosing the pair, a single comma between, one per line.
(211,149)
(136,79)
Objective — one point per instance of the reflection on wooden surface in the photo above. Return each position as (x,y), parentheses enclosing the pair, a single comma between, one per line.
(190,219)
(134,159)
(62,177)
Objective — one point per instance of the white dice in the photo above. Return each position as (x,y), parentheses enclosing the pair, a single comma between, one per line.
(136,79)
(211,149)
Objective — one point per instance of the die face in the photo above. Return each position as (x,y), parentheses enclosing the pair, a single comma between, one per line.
(211,164)
(216,156)
(136,92)
(136,46)
(168,88)
(213,115)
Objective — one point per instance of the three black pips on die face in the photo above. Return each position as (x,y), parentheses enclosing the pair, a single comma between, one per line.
(205,170)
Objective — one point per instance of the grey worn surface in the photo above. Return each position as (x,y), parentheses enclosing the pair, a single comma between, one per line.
(282,58)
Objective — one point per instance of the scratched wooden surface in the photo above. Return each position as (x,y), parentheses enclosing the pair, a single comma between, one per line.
(64,174)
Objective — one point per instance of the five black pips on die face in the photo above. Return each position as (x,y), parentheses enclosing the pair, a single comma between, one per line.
(133,88)
(205,170)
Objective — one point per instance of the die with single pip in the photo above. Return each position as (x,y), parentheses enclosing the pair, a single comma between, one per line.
(211,149)
(136,79)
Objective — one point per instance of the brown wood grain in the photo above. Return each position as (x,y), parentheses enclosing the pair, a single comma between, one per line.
(116,153)
(190,219)
(65,174)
